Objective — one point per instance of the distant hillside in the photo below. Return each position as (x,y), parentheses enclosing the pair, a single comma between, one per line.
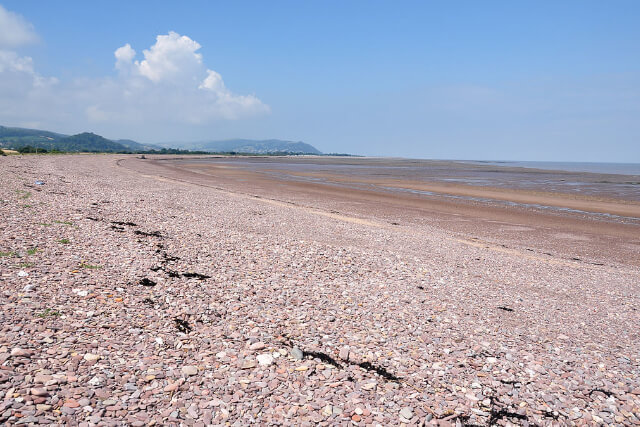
(136,146)
(27,140)
(257,147)
(16,138)
(90,142)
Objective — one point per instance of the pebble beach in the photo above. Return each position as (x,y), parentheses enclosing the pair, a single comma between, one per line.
(130,297)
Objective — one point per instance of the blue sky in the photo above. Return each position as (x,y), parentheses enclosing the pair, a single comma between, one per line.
(543,80)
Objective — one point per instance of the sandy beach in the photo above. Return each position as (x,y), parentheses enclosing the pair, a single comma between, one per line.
(170,291)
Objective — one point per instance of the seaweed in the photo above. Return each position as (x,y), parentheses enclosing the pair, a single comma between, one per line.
(182,325)
(147,282)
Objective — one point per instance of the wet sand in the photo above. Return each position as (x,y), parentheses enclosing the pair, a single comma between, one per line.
(514,208)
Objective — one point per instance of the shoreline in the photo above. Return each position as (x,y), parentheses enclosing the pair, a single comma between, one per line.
(266,305)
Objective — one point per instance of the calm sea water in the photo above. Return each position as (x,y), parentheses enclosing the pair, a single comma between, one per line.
(608,168)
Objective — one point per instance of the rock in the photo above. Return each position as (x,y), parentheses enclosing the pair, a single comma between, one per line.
(96,381)
(19,352)
(190,370)
(173,386)
(296,353)
(71,403)
(29,288)
(90,357)
(22,273)
(327,411)
(39,392)
(265,359)
(257,346)
(406,413)
(43,407)
(344,353)
(249,364)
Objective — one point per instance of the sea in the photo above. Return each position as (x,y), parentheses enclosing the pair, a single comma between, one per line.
(592,167)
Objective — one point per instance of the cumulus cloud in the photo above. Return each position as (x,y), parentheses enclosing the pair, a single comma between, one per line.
(14,30)
(173,58)
(124,56)
(171,83)
(166,87)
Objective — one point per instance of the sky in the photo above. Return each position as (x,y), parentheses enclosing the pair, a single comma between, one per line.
(491,80)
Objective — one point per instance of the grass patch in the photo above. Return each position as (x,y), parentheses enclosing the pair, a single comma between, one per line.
(63,222)
(44,224)
(22,194)
(32,251)
(27,264)
(64,241)
(27,206)
(48,312)
(7,254)
(90,267)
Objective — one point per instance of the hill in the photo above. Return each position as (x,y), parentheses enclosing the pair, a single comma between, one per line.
(90,142)
(17,138)
(28,140)
(257,146)
(136,146)
(14,138)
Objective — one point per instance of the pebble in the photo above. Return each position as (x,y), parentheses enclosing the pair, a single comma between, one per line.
(39,392)
(296,353)
(71,403)
(190,370)
(257,346)
(19,352)
(265,359)
(406,413)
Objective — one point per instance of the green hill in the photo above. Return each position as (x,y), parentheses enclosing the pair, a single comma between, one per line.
(34,140)
(89,142)
(16,138)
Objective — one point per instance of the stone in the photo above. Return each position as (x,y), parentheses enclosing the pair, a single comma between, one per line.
(19,352)
(96,381)
(344,353)
(71,403)
(39,391)
(190,370)
(173,386)
(265,359)
(257,346)
(90,357)
(296,353)
(406,413)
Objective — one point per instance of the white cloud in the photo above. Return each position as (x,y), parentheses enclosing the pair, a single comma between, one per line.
(169,89)
(14,30)
(173,58)
(124,57)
